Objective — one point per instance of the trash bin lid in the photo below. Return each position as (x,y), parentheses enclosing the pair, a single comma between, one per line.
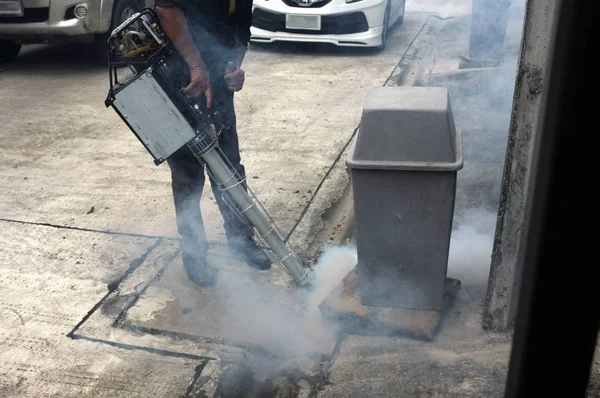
(407,128)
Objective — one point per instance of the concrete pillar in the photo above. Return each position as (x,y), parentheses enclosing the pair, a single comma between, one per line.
(489,19)
(505,272)
(488,28)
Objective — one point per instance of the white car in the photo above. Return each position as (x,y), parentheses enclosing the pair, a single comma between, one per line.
(355,23)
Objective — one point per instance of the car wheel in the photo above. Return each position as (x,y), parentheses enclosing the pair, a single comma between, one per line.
(9,49)
(122,10)
(386,26)
(400,19)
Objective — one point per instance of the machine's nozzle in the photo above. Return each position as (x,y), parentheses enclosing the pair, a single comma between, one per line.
(306,279)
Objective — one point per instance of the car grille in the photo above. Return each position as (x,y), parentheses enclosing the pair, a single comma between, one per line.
(292,3)
(354,22)
(29,15)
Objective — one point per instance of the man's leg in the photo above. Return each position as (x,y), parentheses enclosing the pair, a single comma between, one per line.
(239,237)
(187,181)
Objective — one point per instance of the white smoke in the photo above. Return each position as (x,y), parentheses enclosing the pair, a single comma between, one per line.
(441,8)
(471,244)
(471,247)
(264,310)
(308,332)
(301,331)
(332,267)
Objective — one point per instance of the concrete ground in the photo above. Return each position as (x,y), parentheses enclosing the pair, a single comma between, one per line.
(88,219)
(93,300)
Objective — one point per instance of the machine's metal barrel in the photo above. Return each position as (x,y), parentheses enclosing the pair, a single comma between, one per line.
(249,209)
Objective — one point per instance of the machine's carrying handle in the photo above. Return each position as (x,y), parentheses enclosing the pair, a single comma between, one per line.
(131,20)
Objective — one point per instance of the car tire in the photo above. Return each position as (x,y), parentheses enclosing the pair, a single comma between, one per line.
(122,10)
(400,19)
(9,49)
(386,27)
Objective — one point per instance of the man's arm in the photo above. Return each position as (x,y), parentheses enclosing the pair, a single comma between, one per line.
(172,20)
(242,20)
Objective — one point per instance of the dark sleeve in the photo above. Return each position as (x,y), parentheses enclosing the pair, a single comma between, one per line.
(241,19)
(168,3)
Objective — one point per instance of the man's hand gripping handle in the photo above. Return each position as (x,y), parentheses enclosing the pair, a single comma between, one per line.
(173,22)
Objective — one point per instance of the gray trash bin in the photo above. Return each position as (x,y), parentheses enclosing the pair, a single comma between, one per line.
(404,164)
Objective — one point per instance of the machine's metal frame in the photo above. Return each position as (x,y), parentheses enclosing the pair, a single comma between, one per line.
(151,99)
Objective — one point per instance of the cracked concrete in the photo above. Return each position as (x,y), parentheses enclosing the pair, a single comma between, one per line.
(50,279)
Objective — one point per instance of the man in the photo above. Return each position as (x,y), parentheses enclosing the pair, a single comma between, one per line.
(212,37)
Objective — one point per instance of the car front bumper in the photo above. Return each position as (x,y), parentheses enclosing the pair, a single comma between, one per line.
(356,24)
(370,38)
(44,20)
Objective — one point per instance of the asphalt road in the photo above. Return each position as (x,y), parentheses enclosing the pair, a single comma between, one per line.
(81,202)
